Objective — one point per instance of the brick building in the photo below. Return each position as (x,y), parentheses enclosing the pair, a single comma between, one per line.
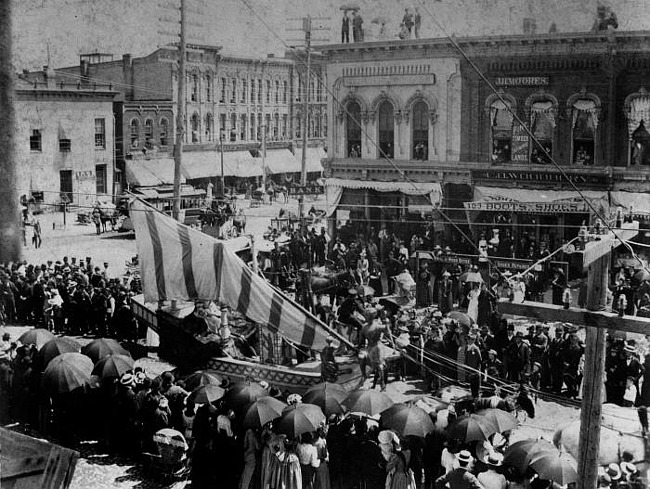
(65,142)
(581,95)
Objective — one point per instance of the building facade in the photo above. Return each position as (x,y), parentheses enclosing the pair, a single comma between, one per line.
(508,130)
(65,143)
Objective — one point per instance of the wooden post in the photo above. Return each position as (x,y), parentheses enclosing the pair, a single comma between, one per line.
(591,409)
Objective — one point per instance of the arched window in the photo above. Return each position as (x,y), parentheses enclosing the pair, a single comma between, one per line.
(253,128)
(277,92)
(243,128)
(244,90)
(233,128)
(195,124)
(317,127)
(584,123)
(542,123)
(148,134)
(386,130)
(209,127)
(325,125)
(259,127)
(641,145)
(195,88)
(285,125)
(267,125)
(298,126)
(420,128)
(501,121)
(208,88)
(637,110)
(135,132)
(276,126)
(353,130)
(163,134)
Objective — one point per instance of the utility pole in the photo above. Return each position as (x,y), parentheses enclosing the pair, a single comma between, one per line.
(180,118)
(10,236)
(306,25)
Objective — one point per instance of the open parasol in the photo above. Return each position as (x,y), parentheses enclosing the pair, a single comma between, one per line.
(519,454)
(350,6)
(366,401)
(470,428)
(557,466)
(206,394)
(461,318)
(262,411)
(67,372)
(113,366)
(474,277)
(99,348)
(642,275)
(300,418)
(407,420)
(327,396)
(243,393)
(37,336)
(503,420)
(55,347)
(199,378)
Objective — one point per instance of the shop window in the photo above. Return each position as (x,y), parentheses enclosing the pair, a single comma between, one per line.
(584,132)
(36,140)
(195,127)
(100,133)
(209,127)
(641,146)
(164,128)
(353,130)
(148,134)
(386,130)
(134,132)
(542,124)
(420,128)
(501,120)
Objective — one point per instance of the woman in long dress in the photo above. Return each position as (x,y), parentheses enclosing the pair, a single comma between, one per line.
(400,476)
(323,471)
(287,473)
(472,308)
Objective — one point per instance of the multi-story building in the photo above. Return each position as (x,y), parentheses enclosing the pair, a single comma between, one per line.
(228,102)
(505,138)
(65,145)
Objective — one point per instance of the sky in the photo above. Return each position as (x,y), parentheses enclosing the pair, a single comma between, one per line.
(258,27)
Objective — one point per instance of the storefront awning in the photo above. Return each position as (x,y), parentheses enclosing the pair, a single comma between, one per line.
(149,173)
(334,189)
(636,203)
(207,164)
(499,199)
(280,161)
(314,159)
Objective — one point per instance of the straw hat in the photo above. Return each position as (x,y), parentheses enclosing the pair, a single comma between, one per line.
(494,459)
(628,468)
(614,471)
(464,457)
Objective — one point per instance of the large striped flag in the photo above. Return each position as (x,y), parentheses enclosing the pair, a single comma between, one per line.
(178,262)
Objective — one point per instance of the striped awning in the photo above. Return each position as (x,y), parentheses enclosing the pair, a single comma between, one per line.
(177,262)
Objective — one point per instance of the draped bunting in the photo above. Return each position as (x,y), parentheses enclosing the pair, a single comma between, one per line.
(545,108)
(639,111)
(588,106)
(181,263)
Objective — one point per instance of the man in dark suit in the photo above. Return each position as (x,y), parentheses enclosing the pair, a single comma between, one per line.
(345,28)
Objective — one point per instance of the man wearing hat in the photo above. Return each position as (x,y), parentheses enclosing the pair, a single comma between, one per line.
(351,305)
(329,368)
(492,478)
(461,477)
(518,356)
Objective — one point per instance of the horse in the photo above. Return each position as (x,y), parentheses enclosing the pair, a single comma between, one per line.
(239,222)
(108,213)
(336,284)
(274,190)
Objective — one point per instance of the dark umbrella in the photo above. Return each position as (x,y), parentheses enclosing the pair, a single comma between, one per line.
(199,378)
(366,401)
(471,428)
(407,420)
(501,419)
(392,306)
(300,418)
(206,394)
(36,337)
(642,275)
(518,454)
(327,396)
(557,466)
(461,318)
(242,394)
(67,372)
(262,411)
(101,347)
(112,366)
(55,347)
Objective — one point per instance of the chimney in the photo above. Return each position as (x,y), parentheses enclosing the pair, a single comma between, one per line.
(127,74)
(50,76)
(84,68)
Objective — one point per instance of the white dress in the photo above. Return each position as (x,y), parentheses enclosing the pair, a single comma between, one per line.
(472,308)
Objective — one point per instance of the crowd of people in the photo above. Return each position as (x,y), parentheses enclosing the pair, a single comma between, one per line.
(71,296)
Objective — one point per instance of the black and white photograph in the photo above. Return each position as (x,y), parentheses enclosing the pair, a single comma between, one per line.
(324,244)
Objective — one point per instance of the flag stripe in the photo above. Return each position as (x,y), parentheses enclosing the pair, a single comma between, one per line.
(277,304)
(308,333)
(186,255)
(245,292)
(159,266)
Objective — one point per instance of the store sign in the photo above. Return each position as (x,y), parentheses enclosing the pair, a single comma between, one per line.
(528,207)
(307,190)
(520,143)
(538,176)
(521,81)
(442,258)
(84,175)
